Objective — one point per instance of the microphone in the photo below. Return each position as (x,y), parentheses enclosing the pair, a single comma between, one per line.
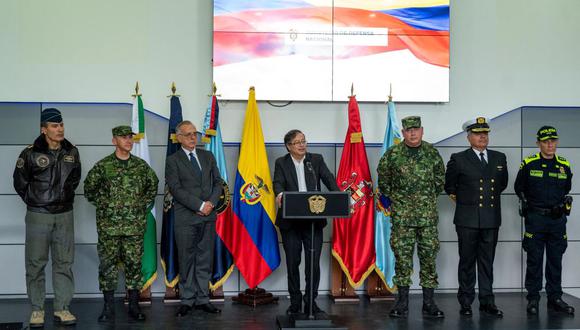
(309,166)
(311,170)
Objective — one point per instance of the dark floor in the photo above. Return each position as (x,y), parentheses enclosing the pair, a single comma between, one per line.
(354,316)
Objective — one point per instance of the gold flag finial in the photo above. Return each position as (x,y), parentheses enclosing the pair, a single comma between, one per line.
(214,88)
(252,88)
(352,90)
(173,90)
(390,92)
(136,90)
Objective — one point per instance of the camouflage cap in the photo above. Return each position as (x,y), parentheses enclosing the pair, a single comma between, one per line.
(122,130)
(411,122)
(547,133)
(477,125)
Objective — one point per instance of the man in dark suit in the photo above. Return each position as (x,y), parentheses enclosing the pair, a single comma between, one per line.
(300,171)
(194,182)
(475,179)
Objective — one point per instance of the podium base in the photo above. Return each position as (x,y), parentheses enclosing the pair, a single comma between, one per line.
(301,322)
(255,297)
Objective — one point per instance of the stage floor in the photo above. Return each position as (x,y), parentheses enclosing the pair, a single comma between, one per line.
(364,315)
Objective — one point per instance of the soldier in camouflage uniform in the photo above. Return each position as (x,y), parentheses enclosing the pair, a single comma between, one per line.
(123,188)
(411,174)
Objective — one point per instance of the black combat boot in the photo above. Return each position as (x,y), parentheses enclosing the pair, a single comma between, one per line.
(134,309)
(108,313)
(401,308)
(559,305)
(430,309)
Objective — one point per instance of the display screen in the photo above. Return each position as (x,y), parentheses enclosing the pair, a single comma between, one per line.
(299,50)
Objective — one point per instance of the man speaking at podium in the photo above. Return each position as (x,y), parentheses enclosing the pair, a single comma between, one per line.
(300,171)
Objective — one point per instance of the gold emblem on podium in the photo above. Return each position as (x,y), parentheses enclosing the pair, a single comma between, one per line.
(317,204)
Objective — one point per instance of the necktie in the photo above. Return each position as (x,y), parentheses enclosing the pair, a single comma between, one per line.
(194,163)
(483,161)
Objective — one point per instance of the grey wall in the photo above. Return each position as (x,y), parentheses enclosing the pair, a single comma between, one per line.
(88,126)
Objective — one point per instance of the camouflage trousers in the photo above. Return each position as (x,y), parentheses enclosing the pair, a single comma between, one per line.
(120,251)
(403,240)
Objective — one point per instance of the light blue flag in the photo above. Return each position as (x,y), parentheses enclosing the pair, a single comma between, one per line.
(385,264)
(223,263)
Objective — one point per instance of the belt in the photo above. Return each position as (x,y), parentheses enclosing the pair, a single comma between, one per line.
(539,210)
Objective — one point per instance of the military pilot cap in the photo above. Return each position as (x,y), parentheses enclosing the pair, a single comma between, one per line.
(547,133)
(122,130)
(50,115)
(411,122)
(477,125)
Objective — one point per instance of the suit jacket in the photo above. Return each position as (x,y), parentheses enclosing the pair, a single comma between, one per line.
(477,188)
(285,179)
(190,190)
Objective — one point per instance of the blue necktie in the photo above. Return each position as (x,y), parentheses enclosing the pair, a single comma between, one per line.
(194,163)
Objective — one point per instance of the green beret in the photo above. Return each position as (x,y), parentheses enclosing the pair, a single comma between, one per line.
(411,122)
(122,130)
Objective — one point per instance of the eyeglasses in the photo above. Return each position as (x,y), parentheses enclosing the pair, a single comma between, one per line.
(299,143)
(189,135)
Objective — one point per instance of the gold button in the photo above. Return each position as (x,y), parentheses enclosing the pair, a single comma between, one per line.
(480,205)
(491,205)
(481,180)
(481,188)
(480,196)
(491,197)
(491,188)
(492,180)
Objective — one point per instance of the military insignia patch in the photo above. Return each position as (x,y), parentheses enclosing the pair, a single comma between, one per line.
(42,161)
(562,170)
(480,120)
(69,159)
(224,200)
(20,163)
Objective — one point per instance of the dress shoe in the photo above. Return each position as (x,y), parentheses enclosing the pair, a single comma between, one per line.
(315,310)
(208,308)
(466,310)
(294,309)
(559,305)
(532,308)
(183,311)
(491,309)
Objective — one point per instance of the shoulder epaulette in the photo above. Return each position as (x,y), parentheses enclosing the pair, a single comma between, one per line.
(562,160)
(531,158)
(29,146)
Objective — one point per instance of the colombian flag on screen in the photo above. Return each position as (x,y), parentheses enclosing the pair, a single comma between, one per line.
(255,243)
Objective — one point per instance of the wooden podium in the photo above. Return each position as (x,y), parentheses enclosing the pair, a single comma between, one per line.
(316,206)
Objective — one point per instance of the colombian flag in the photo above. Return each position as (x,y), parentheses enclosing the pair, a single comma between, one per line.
(253,241)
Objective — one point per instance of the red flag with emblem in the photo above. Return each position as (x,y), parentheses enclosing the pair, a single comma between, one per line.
(353,238)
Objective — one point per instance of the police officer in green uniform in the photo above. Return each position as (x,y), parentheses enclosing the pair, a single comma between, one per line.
(543,181)
(411,174)
(123,188)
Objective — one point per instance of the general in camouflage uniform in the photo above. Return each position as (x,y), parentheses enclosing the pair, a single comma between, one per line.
(123,188)
(411,174)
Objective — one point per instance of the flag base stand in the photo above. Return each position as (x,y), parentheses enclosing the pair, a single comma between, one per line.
(255,297)
(341,291)
(304,322)
(171,295)
(377,291)
(217,296)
